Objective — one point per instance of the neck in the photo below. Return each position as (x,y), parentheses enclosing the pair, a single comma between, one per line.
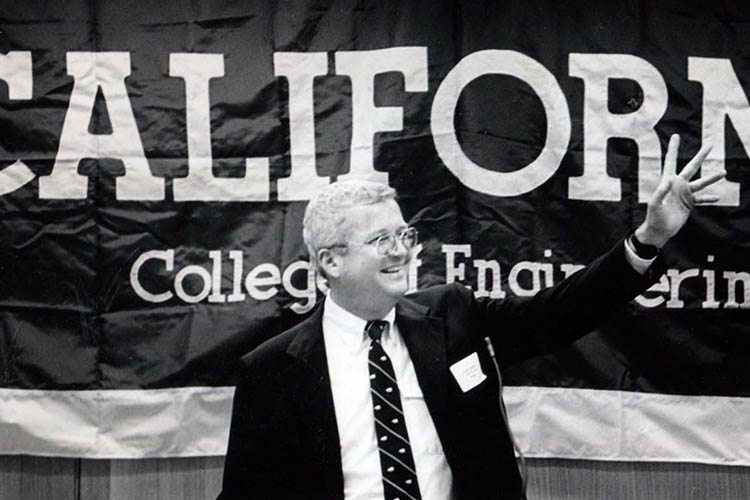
(365,310)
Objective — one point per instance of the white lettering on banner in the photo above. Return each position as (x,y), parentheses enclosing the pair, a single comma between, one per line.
(216,295)
(194,283)
(236,295)
(599,124)
(300,69)
(308,294)
(733,280)
(676,278)
(710,276)
(200,184)
(493,268)
(368,119)
(261,282)
(453,271)
(179,286)
(263,275)
(168,257)
(15,71)
(105,71)
(723,97)
(478,178)
(662,286)
(414,264)
(535,270)
(457,271)
(570,269)
(527,278)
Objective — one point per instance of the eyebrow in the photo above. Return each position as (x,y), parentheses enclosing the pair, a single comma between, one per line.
(383,232)
(374,236)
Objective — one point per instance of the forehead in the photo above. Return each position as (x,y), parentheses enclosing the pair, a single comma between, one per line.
(366,220)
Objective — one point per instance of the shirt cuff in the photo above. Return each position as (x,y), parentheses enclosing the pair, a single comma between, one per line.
(637,263)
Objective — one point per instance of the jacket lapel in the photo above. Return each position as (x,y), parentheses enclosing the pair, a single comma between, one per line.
(314,402)
(425,339)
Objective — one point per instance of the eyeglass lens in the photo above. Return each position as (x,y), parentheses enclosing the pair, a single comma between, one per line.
(387,244)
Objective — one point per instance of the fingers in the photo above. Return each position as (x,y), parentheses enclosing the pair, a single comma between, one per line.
(669,175)
(670,162)
(703,199)
(686,197)
(703,182)
(692,167)
(661,192)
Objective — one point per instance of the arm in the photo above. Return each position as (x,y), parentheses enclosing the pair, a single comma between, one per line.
(524,327)
(555,317)
(251,467)
(243,445)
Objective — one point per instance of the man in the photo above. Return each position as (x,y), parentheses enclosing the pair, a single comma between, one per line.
(381,396)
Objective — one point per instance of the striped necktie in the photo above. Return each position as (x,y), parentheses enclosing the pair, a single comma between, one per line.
(396,459)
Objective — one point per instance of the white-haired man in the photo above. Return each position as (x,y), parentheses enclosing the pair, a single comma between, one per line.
(378,395)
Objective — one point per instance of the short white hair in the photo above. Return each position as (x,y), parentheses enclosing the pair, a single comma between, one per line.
(326,214)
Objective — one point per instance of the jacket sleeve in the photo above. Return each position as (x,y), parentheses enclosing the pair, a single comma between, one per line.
(242,463)
(524,327)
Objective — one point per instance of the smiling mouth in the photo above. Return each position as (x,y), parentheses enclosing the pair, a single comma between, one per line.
(392,269)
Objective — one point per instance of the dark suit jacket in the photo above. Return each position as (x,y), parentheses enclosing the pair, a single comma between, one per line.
(284,440)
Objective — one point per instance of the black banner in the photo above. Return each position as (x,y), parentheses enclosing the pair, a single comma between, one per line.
(151,233)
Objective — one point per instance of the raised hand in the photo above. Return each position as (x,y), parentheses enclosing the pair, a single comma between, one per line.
(674,198)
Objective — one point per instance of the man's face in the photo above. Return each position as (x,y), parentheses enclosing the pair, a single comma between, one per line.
(367,280)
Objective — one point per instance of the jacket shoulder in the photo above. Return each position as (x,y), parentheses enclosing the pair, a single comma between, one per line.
(443,297)
(273,351)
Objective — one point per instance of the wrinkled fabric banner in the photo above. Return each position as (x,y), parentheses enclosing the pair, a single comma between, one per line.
(155,161)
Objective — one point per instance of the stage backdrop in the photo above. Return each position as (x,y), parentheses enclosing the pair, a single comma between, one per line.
(156,158)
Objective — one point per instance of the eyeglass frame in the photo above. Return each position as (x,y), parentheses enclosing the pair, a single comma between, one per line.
(389,239)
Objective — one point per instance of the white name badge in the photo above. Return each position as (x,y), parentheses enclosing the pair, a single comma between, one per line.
(467,372)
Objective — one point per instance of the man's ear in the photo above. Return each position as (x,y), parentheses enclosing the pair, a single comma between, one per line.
(329,262)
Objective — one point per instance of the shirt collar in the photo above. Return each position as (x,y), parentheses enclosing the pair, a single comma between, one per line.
(350,324)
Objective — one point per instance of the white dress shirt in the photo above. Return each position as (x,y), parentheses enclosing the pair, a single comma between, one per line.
(346,345)
(639,264)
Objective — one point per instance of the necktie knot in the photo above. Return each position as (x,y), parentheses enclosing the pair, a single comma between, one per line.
(376,329)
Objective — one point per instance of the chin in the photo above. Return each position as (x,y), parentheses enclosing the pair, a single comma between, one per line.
(397,289)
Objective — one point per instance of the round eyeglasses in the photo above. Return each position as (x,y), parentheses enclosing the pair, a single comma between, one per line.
(386,243)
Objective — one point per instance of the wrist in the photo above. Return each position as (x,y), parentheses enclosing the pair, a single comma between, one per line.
(639,249)
(647,236)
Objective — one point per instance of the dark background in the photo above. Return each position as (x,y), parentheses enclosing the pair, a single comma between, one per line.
(69,318)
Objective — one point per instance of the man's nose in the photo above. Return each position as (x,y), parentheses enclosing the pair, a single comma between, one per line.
(399,248)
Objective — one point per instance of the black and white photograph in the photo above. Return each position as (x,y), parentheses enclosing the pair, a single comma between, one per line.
(362,250)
